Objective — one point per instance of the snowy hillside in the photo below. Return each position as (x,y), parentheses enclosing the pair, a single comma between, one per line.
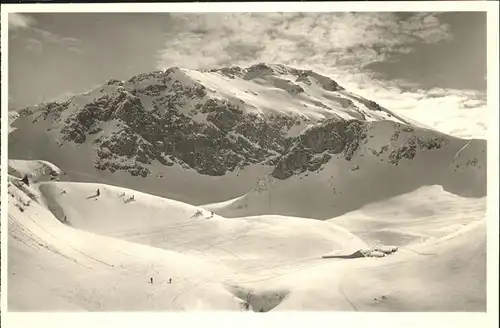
(72,250)
(421,215)
(12,116)
(315,179)
(35,170)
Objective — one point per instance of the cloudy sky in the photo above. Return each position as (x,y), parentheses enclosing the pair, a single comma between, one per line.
(428,66)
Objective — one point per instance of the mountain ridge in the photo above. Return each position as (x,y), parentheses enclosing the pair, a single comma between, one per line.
(216,124)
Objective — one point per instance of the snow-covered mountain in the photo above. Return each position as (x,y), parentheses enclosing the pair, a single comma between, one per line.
(136,185)
(206,136)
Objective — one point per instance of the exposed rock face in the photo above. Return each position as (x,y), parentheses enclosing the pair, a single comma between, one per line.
(170,117)
(409,149)
(329,138)
(51,110)
(412,144)
(229,138)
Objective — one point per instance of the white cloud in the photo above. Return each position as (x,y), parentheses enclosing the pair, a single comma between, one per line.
(75,50)
(34,45)
(36,37)
(336,44)
(323,39)
(20,21)
(72,44)
(456,112)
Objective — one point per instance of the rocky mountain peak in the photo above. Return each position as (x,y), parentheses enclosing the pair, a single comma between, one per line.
(214,121)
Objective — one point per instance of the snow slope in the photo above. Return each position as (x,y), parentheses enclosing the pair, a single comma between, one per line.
(274,89)
(46,251)
(164,223)
(36,170)
(12,116)
(56,266)
(341,186)
(419,216)
(445,275)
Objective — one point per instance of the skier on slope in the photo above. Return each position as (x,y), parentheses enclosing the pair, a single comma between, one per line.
(98,192)
(25,180)
(151,280)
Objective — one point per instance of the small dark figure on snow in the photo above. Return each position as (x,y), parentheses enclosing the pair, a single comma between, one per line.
(98,192)
(25,180)
(65,218)
(151,280)
(246,304)
(211,214)
(170,280)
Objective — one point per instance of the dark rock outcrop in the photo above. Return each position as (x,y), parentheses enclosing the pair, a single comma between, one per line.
(413,144)
(330,138)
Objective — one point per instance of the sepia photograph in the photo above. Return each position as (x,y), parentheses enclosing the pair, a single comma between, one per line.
(246,161)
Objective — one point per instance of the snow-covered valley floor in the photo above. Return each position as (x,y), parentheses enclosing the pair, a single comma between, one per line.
(71,249)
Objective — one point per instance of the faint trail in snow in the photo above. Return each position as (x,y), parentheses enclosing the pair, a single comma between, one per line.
(461,149)
(30,236)
(280,274)
(224,250)
(420,253)
(481,246)
(163,229)
(185,290)
(281,264)
(73,248)
(91,257)
(341,290)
